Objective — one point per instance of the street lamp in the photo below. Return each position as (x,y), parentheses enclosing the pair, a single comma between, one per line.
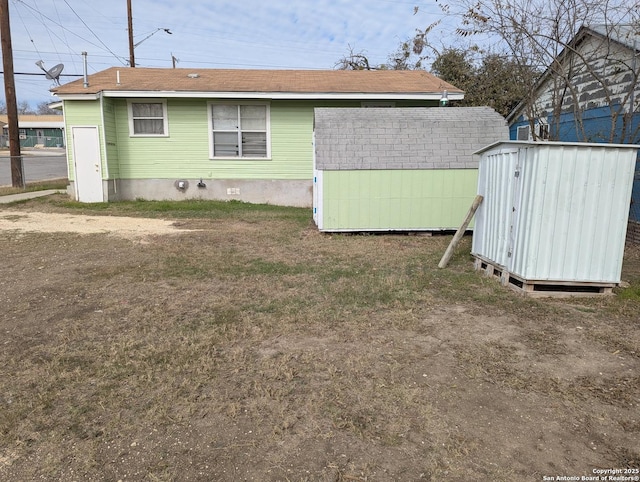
(132,46)
(153,33)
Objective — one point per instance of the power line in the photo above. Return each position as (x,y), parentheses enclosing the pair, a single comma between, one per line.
(28,33)
(50,37)
(64,36)
(36,73)
(94,34)
(72,32)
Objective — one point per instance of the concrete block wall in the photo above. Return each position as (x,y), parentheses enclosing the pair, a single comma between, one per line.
(404,138)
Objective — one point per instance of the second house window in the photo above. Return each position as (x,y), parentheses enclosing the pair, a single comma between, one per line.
(240,130)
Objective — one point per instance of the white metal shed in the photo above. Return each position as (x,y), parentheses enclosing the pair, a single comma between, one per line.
(554,214)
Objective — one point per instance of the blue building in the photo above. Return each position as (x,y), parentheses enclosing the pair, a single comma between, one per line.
(589,93)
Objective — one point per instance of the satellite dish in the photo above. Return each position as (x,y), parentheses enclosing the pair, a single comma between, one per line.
(53,73)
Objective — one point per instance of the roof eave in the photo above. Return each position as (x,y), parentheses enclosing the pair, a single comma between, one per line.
(267,95)
(94,96)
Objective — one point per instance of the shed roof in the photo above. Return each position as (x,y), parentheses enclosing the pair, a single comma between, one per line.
(126,81)
(554,145)
(404,138)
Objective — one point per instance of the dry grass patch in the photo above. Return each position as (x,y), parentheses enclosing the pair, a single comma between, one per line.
(255,347)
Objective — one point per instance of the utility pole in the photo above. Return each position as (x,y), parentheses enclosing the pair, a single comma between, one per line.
(132,59)
(17,177)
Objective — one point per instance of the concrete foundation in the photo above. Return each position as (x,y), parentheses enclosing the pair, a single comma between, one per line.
(279,192)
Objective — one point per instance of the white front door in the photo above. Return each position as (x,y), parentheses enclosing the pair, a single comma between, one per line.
(86,157)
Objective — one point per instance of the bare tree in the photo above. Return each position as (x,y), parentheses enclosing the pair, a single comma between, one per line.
(44,109)
(414,53)
(486,78)
(354,61)
(411,54)
(546,34)
(24,108)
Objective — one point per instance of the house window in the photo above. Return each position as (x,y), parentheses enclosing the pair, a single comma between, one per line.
(148,118)
(239,130)
(542,130)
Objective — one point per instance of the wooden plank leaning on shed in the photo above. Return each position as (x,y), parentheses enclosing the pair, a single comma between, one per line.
(460,232)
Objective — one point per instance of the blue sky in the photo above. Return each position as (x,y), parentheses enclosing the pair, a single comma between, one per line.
(277,34)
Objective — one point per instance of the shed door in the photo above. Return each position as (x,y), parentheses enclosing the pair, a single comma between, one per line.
(516,205)
(86,156)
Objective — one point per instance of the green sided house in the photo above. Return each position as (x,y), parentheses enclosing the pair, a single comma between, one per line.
(139,133)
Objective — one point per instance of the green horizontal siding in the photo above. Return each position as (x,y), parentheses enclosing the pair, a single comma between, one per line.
(81,113)
(111,138)
(397,199)
(184,153)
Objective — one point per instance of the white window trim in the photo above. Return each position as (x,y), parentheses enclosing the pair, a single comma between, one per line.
(233,158)
(165,116)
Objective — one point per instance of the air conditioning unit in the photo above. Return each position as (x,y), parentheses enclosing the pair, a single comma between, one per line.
(524,133)
(541,130)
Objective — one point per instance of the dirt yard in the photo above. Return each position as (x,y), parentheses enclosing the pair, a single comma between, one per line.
(238,343)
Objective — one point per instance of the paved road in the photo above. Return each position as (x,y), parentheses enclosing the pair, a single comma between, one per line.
(37,167)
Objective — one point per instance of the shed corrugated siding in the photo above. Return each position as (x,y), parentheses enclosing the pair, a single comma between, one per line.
(494,217)
(81,113)
(573,214)
(111,138)
(397,199)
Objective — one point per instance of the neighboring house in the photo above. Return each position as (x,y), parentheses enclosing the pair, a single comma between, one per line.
(215,134)
(589,93)
(36,130)
(410,169)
